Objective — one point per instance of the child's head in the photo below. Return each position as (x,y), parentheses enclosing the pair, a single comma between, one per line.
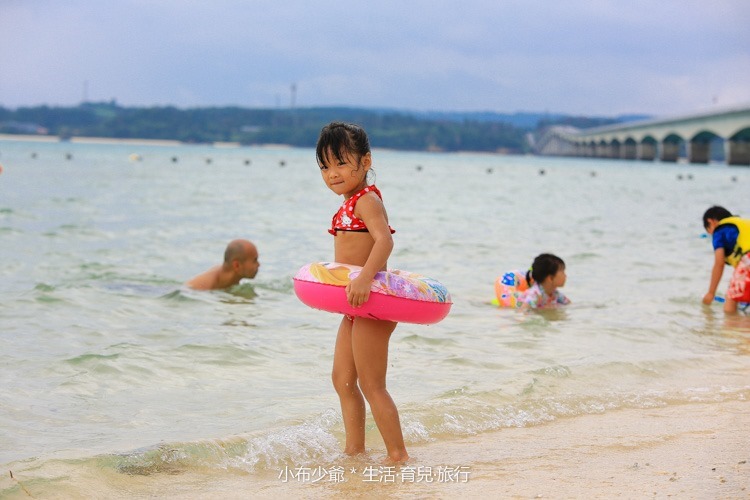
(339,139)
(715,213)
(547,266)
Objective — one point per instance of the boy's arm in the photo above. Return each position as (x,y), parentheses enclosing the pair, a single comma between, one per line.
(716,273)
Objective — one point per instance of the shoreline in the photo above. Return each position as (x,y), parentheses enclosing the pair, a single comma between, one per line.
(88,140)
(134,142)
(218,144)
(692,450)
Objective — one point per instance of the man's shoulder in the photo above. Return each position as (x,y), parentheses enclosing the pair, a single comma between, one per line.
(207,280)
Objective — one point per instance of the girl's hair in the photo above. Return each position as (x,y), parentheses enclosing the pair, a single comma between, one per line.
(339,137)
(716,212)
(544,265)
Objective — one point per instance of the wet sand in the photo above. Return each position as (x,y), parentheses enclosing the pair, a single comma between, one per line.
(689,451)
(686,451)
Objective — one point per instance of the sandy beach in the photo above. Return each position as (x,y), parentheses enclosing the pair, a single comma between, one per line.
(690,451)
(685,451)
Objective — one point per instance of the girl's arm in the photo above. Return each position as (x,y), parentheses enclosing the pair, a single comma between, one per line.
(716,273)
(372,212)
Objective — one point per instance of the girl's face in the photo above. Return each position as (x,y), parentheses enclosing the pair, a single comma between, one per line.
(346,176)
(558,280)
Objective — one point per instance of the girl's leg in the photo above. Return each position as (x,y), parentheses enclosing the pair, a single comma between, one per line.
(370,348)
(730,306)
(344,378)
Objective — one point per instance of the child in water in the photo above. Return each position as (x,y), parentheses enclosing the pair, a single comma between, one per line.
(362,237)
(731,241)
(546,275)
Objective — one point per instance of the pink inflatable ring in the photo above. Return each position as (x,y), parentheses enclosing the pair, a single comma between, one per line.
(395,295)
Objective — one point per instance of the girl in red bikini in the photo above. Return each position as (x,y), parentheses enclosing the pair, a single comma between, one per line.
(362,237)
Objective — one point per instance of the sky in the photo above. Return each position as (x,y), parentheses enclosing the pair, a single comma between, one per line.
(580,57)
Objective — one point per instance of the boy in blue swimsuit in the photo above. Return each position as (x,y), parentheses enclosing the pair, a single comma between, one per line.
(731,242)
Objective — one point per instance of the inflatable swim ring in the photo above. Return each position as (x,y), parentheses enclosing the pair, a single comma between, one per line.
(395,295)
(510,286)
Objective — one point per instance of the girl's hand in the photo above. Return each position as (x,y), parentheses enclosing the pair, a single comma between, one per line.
(708,298)
(358,291)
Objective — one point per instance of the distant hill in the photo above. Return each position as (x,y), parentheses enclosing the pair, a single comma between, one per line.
(394,129)
(525,120)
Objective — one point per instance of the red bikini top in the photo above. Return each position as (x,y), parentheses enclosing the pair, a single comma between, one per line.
(345,220)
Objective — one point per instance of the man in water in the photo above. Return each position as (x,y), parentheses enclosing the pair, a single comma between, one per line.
(240,261)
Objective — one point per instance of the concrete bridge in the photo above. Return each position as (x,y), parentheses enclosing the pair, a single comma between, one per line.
(700,137)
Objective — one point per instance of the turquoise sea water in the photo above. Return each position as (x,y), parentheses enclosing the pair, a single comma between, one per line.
(109,364)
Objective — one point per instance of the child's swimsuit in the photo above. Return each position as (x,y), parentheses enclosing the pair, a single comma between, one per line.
(345,220)
(733,235)
(739,285)
(537,298)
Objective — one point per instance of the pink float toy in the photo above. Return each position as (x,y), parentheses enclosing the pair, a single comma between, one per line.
(395,295)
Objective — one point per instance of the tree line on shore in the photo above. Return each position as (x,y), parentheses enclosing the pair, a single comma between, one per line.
(294,127)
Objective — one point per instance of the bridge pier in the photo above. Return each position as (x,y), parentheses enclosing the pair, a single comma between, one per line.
(629,151)
(670,151)
(696,138)
(647,151)
(699,152)
(738,153)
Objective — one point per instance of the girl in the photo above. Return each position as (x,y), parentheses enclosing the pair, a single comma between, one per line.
(548,274)
(362,237)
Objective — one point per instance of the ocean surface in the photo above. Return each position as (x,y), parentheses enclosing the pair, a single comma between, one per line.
(112,371)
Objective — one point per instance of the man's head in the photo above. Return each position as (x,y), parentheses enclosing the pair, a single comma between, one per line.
(241,256)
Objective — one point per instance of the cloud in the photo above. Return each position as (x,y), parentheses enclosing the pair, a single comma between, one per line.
(584,57)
